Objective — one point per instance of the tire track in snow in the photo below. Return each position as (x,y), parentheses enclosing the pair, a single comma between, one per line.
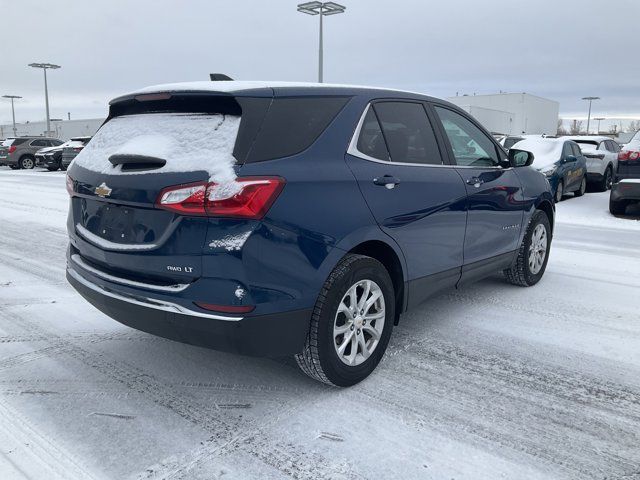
(289,459)
(47,455)
(577,424)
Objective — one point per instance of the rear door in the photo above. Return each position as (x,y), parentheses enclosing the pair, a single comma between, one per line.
(415,197)
(495,199)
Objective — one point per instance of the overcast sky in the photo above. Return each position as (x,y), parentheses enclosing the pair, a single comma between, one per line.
(560,49)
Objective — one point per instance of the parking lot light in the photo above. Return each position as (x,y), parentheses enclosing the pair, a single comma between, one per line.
(591,99)
(45,67)
(321,9)
(598,119)
(13,111)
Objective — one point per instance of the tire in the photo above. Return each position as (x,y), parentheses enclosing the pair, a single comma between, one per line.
(582,189)
(320,358)
(522,273)
(27,162)
(607,180)
(559,192)
(14,167)
(617,208)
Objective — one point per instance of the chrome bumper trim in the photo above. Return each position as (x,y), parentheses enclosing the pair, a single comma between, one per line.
(147,302)
(178,287)
(109,245)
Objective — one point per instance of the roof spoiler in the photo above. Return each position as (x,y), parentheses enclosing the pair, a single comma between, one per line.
(219,77)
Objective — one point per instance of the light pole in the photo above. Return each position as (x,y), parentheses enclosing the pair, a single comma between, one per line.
(13,112)
(591,99)
(322,9)
(598,119)
(45,67)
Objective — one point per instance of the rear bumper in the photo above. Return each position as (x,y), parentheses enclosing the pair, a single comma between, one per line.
(625,191)
(265,335)
(8,161)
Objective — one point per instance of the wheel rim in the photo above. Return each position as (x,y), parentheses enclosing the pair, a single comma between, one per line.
(537,249)
(359,322)
(27,163)
(559,192)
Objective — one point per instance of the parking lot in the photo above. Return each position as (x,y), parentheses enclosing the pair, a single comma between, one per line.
(492,381)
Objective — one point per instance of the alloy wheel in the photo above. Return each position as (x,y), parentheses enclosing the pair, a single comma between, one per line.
(359,322)
(537,249)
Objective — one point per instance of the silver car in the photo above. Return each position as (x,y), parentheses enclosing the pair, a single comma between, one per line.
(602,159)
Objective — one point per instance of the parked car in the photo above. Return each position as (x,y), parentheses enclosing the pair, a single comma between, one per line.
(626,189)
(49,157)
(561,161)
(70,151)
(602,159)
(275,219)
(20,152)
(509,141)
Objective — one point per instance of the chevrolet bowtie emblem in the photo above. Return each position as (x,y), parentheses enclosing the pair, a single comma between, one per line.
(102,190)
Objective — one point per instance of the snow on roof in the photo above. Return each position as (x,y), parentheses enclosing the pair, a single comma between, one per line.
(588,138)
(546,151)
(238,86)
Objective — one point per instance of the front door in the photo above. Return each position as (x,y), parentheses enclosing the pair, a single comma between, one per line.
(414,197)
(494,193)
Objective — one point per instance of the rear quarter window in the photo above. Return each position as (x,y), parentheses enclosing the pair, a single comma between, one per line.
(291,125)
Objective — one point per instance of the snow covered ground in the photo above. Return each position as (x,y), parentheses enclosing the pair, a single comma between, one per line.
(489,382)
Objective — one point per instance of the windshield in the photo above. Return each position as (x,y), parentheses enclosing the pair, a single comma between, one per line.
(511,141)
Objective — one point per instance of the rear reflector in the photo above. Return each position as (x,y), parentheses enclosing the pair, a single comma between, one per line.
(245,197)
(226,308)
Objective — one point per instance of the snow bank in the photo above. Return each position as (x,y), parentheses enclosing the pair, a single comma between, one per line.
(188,142)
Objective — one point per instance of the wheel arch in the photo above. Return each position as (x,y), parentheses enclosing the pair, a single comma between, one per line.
(546,206)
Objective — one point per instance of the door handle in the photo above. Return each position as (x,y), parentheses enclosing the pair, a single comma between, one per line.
(475,181)
(387,181)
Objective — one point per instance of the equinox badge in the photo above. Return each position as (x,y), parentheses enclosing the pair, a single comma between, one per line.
(102,190)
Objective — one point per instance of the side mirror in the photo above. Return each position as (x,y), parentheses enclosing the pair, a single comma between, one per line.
(570,158)
(520,158)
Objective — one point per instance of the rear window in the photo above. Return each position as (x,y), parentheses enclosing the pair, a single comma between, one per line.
(13,141)
(187,142)
(587,145)
(291,125)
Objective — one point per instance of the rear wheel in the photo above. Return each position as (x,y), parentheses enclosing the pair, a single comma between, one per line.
(27,162)
(618,208)
(533,254)
(559,191)
(351,323)
(582,189)
(607,180)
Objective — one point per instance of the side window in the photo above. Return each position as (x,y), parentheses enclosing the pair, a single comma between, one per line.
(603,146)
(39,143)
(613,146)
(576,149)
(471,146)
(408,133)
(371,141)
(566,150)
(55,143)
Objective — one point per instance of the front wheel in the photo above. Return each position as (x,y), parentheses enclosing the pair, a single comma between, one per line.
(351,323)
(607,180)
(582,189)
(533,254)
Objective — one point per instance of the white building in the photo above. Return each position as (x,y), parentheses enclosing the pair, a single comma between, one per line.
(512,113)
(62,129)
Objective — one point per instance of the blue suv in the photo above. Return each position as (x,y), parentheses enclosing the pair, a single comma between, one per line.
(295,219)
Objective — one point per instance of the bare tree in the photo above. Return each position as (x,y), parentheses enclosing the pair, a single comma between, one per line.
(634,126)
(561,130)
(576,127)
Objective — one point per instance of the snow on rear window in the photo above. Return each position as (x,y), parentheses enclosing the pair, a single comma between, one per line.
(188,142)
(546,151)
(7,142)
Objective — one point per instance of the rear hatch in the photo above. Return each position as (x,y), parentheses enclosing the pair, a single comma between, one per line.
(115,223)
(629,164)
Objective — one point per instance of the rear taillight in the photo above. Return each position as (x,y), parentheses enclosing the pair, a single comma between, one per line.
(628,155)
(246,197)
(77,149)
(70,185)
(599,156)
(12,149)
